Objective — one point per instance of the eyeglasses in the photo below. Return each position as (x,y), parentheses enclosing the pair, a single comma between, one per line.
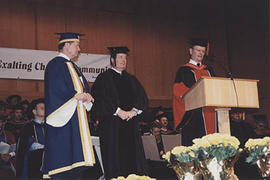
(199,50)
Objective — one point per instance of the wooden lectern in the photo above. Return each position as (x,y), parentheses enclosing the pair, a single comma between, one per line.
(222,93)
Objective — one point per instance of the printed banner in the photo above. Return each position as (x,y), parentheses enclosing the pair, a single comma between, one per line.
(31,64)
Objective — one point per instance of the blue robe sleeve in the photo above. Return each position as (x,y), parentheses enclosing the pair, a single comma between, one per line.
(59,87)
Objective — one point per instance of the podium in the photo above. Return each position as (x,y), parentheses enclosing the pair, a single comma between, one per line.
(222,93)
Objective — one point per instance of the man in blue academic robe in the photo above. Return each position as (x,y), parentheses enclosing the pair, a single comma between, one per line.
(68,147)
(30,146)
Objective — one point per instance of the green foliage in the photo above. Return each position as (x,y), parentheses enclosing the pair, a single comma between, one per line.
(219,151)
(183,157)
(257,152)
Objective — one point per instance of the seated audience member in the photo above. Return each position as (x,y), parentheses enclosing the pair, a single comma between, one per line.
(3,110)
(154,113)
(144,122)
(164,122)
(12,102)
(16,121)
(31,144)
(159,112)
(7,157)
(239,127)
(155,131)
(25,105)
(261,130)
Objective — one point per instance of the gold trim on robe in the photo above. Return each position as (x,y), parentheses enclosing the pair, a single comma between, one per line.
(88,153)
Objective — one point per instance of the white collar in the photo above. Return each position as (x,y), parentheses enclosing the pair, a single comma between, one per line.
(64,56)
(119,72)
(191,61)
(38,121)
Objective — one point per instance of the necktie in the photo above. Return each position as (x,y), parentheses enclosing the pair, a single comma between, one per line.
(77,69)
(79,74)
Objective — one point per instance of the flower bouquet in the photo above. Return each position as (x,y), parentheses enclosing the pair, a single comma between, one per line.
(134,177)
(259,153)
(182,160)
(217,154)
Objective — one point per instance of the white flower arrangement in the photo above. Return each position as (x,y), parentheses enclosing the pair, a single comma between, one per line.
(211,156)
(180,153)
(257,148)
(220,146)
(134,177)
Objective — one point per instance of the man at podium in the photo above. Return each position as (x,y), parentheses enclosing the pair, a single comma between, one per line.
(198,122)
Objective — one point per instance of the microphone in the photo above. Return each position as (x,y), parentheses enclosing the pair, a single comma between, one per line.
(224,67)
(229,75)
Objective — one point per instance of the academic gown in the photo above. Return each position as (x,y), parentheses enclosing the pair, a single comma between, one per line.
(29,162)
(198,122)
(15,128)
(121,145)
(67,145)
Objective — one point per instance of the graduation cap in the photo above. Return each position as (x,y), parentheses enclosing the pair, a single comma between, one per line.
(198,42)
(117,50)
(69,37)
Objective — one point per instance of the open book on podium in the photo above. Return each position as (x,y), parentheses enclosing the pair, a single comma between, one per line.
(222,93)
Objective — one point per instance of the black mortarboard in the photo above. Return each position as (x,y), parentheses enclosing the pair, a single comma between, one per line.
(120,49)
(68,36)
(198,42)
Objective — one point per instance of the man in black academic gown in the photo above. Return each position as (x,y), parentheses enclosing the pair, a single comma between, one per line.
(31,143)
(119,101)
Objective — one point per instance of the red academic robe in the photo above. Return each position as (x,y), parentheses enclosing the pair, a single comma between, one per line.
(195,123)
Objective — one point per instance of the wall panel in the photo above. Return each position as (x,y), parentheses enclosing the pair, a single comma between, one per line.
(18,23)
(50,20)
(156,32)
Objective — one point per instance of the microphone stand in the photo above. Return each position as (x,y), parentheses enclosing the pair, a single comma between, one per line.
(228,75)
